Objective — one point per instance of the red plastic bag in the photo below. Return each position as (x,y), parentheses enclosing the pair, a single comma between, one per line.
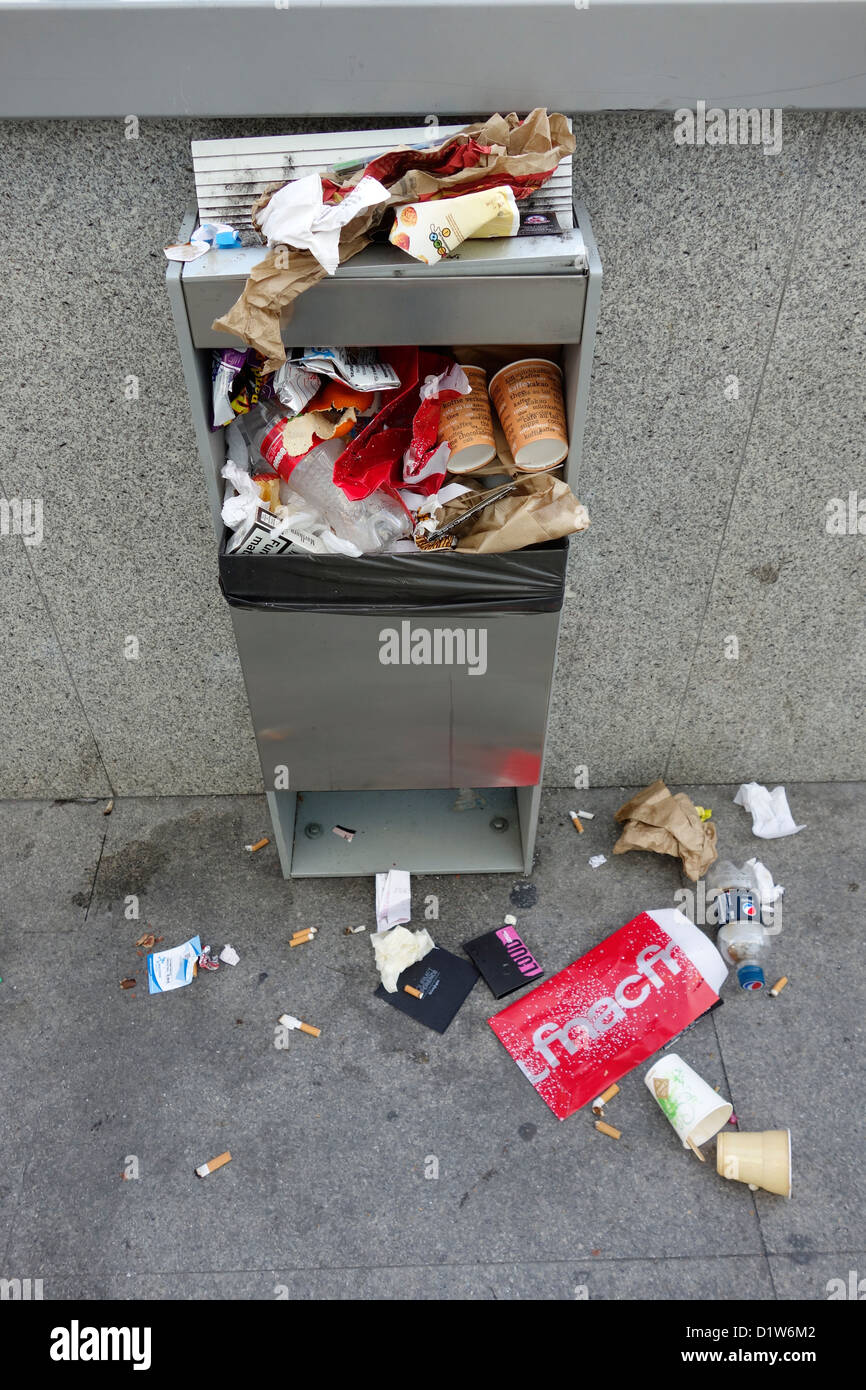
(580,1031)
(374,459)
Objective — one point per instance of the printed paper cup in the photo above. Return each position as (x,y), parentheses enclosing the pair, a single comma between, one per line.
(467,425)
(528,400)
(695,1110)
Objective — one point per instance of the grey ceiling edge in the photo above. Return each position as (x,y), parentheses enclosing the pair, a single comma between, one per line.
(293,58)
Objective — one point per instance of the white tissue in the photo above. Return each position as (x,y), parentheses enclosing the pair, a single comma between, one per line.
(771,815)
(397,949)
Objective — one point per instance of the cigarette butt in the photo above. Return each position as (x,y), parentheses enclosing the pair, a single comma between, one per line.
(609,1093)
(300,940)
(108,808)
(587,815)
(778,986)
(214,1163)
(303,934)
(308,1028)
(576,822)
(695,1150)
(259,844)
(410,989)
(607,1129)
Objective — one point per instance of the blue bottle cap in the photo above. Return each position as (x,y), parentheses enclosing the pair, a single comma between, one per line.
(750,976)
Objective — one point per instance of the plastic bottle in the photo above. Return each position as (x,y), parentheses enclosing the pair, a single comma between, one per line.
(372,524)
(732,894)
(742,943)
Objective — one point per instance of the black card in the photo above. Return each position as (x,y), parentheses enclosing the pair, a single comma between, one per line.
(504,960)
(445,981)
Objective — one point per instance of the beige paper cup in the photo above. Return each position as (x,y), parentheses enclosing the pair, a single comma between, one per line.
(528,400)
(695,1110)
(467,425)
(761,1160)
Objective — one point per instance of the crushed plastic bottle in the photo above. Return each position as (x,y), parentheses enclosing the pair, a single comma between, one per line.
(373,524)
(734,904)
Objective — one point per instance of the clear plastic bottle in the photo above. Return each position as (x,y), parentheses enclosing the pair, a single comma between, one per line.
(732,894)
(372,524)
(742,944)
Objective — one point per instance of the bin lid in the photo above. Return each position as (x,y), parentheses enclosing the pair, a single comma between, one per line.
(231,174)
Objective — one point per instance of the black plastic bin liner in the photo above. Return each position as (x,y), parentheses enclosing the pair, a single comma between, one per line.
(523,581)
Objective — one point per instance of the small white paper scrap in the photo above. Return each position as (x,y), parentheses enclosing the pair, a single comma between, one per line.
(597,860)
(393,899)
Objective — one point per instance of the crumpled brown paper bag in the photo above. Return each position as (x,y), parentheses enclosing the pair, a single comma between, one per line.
(541,508)
(657,820)
(537,145)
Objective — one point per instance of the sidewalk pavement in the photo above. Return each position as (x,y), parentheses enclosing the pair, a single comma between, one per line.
(326,1195)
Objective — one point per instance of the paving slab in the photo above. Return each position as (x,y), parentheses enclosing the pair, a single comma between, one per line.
(380,1157)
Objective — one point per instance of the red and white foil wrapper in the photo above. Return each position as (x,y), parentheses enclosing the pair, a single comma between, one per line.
(586,1027)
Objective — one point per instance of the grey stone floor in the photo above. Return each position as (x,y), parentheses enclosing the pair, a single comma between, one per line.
(326,1194)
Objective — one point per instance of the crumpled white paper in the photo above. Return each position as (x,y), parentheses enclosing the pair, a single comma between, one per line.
(393,899)
(771,814)
(396,950)
(768,891)
(297,216)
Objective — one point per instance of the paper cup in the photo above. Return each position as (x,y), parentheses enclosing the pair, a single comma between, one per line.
(467,425)
(695,1110)
(761,1160)
(528,400)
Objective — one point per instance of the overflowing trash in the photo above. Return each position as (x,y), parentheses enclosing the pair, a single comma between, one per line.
(365,451)
(327,219)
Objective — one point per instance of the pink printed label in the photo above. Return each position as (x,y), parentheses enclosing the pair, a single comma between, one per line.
(522,957)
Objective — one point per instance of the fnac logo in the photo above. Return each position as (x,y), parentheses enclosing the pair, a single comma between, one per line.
(604,1013)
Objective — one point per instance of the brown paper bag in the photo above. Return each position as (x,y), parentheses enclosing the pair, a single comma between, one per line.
(540,508)
(535,146)
(658,821)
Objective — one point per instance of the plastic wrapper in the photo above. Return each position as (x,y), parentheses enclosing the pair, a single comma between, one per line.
(227,362)
(258,529)
(587,1026)
(295,386)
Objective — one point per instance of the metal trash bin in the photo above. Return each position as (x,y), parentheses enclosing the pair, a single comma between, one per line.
(404,697)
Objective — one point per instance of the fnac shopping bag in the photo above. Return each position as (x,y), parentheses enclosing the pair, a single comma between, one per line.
(586,1027)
